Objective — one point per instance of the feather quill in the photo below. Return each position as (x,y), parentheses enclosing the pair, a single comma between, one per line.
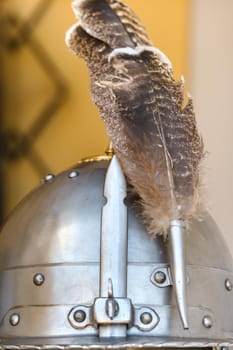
(155,138)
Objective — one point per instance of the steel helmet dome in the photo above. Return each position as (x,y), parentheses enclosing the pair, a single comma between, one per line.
(50,254)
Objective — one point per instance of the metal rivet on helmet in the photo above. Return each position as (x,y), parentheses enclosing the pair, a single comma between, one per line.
(79,316)
(73,174)
(160,277)
(38,279)
(146,318)
(228,285)
(48,178)
(14,319)
(207,322)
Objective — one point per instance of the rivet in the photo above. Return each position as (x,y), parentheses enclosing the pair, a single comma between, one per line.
(73,174)
(207,322)
(146,318)
(49,178)
(228,285)
(14,319)
(160,277)
(80,316)
(38,279)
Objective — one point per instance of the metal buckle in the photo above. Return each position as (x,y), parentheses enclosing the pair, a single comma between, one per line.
(113,311)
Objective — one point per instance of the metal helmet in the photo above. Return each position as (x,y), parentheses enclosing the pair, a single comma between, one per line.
(79,270)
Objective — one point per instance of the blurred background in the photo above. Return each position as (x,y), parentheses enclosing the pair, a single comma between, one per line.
(48,121)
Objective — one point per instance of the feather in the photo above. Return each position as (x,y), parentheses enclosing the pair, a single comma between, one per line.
(155,138)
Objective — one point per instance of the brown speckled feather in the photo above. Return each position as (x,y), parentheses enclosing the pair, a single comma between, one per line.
(154,137)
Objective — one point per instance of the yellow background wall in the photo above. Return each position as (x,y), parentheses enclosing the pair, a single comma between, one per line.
(76,131)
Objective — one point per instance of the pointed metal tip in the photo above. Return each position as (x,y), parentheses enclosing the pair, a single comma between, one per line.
(115,177)
(183,315)
(177,255)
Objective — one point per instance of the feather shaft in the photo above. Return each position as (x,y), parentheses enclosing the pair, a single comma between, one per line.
(155,138)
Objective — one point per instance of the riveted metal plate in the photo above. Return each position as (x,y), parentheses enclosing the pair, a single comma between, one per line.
(152,318)
(161,277)
(56,220)
(80,316)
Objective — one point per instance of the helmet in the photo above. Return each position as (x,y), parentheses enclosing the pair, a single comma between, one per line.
(66,282)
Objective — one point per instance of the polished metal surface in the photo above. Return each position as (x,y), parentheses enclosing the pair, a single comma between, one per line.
(146,318)
(176,239)
(48,178)
(94,343)
(80,316)
(228,285)
(38,279)
(121,316)
(14,319)
(73,174)
(161,277)
(55,232)
(207,322)
(113,249)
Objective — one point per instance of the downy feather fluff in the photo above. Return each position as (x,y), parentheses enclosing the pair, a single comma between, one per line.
(153,135)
